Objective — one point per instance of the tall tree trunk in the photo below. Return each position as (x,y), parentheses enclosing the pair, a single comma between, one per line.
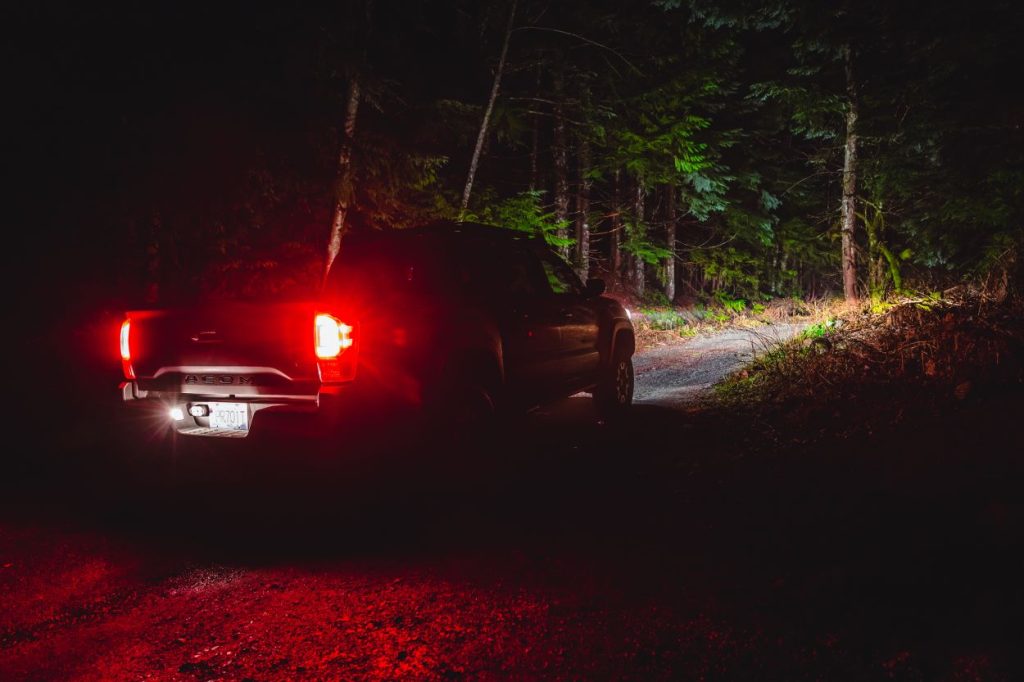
(670,241)
(638,262)
(849,206)
(482,135)
(583,209)
(561,159)
(615,250)
(535,138)
(343,191)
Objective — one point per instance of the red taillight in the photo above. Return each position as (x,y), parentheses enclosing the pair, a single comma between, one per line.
(332,338)
(126,350)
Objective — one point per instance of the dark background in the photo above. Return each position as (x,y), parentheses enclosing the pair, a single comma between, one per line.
(222,125)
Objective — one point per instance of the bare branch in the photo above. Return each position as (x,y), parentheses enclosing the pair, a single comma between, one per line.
(584,39)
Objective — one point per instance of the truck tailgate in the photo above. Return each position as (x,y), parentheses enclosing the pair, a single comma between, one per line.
(235,350)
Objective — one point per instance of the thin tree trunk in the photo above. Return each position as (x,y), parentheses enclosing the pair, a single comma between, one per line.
(849,206)
(583,210)
(561,161)
(535,139)
(343,193)
(615,250)
(670,242)
(638,262)
(343,190)
(876,280)
(482,135)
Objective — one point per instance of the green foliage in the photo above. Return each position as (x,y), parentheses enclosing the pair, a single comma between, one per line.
(819,330)
(730,270)
(735,306)
(814,115)
(524,213)
(639,244)
(291,270)
(655,298)
(715,315)
(398,187)
(738,107)
(664,319)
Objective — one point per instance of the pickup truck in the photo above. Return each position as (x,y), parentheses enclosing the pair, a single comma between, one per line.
(456,321)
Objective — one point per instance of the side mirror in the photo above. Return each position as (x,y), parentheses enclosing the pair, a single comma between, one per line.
(595,287)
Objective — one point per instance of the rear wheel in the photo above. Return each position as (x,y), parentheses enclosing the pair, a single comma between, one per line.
(468,407)
(614,392)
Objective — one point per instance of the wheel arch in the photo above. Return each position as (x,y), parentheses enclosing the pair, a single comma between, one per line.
(623,339)
(481,364)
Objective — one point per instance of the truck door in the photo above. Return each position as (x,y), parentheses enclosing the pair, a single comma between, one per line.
(578,356)
(508,281)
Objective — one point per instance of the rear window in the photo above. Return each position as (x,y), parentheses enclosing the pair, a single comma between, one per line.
(366,269)
(504,269)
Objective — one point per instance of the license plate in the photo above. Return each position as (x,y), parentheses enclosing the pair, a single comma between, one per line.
(233,416)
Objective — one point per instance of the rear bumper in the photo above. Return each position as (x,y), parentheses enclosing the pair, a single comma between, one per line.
(314,411)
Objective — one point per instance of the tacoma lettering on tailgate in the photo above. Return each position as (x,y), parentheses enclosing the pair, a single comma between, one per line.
(218,379)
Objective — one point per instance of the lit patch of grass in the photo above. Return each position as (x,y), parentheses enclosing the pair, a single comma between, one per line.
(664,319)
(664,324)
(949,346)
(820,330)
(655,325)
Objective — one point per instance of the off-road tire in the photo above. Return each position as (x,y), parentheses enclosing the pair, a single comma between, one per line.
(614,393)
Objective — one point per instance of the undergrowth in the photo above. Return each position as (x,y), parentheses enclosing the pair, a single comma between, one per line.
(946,346)
(663,324)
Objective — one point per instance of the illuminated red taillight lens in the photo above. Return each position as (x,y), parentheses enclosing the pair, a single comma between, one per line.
(332,336)
(332,339)
(126,350)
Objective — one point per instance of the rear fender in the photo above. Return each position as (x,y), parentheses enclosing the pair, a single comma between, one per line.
(476,357)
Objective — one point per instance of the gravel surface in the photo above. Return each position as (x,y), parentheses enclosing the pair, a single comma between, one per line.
(673,375)
(657,548)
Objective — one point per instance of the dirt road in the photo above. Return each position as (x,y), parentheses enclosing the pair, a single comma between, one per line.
(672,374)
(562,549)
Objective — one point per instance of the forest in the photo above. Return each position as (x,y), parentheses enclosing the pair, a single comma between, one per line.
(686,151)
(808,211)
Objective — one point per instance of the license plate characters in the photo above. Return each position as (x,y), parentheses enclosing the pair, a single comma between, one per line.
(233,416)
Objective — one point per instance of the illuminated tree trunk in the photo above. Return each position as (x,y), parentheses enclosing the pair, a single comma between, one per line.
(482,135)
(583,210)
(638,262)
(670,241)
(343,191)
(883,265)
(615,250)
(561,162)
(849,206)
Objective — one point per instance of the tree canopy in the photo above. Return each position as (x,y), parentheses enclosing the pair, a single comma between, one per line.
(705,136)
